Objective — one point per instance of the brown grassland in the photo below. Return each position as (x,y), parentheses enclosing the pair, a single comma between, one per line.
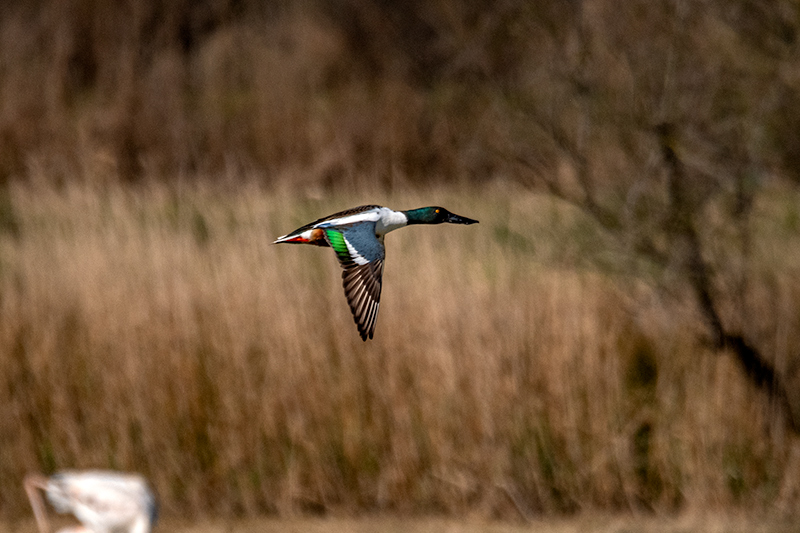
(619,523)
(635,171)
(157,329)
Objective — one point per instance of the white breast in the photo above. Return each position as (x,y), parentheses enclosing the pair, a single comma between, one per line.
(389,220)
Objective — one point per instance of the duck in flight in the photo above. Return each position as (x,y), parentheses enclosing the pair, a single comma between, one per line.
(356,235)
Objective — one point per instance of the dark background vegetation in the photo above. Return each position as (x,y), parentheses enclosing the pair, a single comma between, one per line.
(381,91)
(672,126)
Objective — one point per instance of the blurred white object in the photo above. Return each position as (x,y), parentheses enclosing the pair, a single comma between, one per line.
(103,502)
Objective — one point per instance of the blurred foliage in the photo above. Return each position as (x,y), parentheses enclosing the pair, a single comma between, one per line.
(671,126)
(394,92)
(146,330)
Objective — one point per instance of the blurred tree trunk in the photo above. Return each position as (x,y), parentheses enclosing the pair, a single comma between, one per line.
(654,117)
(756,366)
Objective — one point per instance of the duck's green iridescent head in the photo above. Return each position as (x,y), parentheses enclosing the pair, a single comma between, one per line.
(435,215)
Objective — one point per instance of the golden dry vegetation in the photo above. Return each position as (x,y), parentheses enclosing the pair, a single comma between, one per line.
(157,329)
(392,524)
(619,333)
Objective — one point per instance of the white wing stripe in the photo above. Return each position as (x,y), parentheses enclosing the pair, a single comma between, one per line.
(366,216)
(354,255)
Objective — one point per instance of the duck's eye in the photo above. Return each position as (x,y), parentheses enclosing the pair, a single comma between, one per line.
(437,211)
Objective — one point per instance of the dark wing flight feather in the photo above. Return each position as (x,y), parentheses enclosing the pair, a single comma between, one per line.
(362,287)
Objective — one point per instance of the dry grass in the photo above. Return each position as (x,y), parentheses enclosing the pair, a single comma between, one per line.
(156,329)
(526,365)
(711,523)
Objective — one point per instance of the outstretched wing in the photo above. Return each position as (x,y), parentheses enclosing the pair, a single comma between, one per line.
(361,255)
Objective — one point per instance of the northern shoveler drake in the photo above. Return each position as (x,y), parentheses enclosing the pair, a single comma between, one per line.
(356,235)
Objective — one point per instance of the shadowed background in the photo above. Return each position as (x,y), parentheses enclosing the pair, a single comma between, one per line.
(619,332)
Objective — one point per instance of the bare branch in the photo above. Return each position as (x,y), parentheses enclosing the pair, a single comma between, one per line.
(757,368)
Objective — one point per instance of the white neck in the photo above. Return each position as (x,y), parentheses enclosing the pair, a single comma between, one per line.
(389,220)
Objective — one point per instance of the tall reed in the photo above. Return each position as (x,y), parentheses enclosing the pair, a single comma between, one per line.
(156,329)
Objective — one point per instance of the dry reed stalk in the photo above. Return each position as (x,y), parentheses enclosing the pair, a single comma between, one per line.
(155,329)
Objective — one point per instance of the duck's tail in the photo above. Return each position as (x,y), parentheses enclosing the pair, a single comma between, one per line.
(312,236)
